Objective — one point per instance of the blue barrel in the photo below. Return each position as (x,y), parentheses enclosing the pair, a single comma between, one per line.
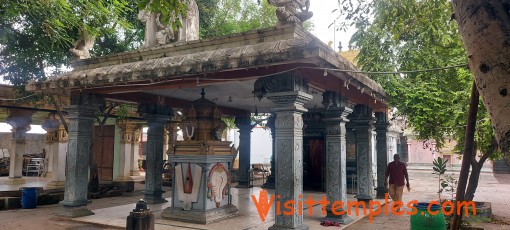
(29,197)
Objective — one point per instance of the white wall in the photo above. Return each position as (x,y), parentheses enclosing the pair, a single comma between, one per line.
(261,144)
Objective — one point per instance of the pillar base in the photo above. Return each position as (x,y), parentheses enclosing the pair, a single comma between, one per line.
(72,212)
(200,217)
(381,192)
(364,198)
(243,184)
(154,198)
(16,180)
(343,219)
(300,227)
(56,184)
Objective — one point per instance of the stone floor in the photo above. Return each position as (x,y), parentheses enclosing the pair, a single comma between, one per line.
(492,188)
(110,213)
(248,216)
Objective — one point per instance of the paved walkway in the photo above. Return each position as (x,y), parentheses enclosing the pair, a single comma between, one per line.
(111,212)
(492,188)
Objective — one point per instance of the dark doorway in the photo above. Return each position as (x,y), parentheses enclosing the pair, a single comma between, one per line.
(314,157)
(103,151)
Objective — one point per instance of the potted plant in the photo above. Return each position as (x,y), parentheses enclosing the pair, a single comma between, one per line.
(433,220)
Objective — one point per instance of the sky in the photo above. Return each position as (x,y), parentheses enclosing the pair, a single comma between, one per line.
(322,18)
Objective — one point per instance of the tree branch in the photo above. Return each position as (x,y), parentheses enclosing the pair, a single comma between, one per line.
(468,152)
(59,111)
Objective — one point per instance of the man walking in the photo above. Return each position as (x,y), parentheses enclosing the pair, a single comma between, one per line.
(396,171)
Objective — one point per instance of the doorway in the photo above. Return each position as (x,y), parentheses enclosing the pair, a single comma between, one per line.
(103,151)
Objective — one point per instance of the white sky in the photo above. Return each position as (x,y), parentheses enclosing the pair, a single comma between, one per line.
(35,129)
(322,18)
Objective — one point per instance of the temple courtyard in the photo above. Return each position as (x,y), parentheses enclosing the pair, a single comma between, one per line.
(111,213)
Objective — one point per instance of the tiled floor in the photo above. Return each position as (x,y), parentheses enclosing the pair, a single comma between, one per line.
(111,213)
(248,216)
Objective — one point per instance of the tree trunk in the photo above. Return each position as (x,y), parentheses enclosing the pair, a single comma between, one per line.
(473,182)
(468,152)
(477,168)
(485,29)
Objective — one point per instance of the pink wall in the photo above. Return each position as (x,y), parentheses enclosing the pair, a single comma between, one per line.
(419,154)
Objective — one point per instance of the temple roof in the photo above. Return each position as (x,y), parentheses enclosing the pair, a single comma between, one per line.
(218,61)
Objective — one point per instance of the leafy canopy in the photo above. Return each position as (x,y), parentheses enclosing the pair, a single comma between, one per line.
(35,35)
(414,35)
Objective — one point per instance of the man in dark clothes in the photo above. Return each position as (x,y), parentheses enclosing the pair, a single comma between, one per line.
(396,171)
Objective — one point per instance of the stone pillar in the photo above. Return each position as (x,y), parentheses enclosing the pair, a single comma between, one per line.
(58,162)
(245,127)
(51,126)
(337,109)
(135,157)
(81,123)
(20,121)
(383,151)
(157,116)
(49,150)
(363,120)
(127,146)
(288,91)
(270,182)
(166,141)
(409,158)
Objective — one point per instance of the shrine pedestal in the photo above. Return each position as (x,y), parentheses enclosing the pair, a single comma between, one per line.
(202,188)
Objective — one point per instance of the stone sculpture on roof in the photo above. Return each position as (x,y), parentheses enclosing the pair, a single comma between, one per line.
(81,47)
(158,33)
(292,10)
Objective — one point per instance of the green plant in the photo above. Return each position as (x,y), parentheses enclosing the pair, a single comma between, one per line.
(439,169)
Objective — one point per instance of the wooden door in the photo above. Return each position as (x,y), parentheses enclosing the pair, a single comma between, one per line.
(103,152)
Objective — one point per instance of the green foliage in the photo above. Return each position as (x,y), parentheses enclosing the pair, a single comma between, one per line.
(230,121)
(439,166)
(36,35)
(236,16)
(414,35)
(169,9)
(447,183)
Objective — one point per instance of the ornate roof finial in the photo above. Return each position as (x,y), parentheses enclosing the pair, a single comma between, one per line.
(203,93)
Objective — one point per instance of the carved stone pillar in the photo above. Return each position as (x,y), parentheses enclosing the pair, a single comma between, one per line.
(49,150)
(81,123)
(51,126)
(127,146)
(135,167)
(288,91)
(382,143)
(363,120)
(58,162)
(337,109)
(270,182)
(245,127)
(20,121)
(157,116)
(166,142)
